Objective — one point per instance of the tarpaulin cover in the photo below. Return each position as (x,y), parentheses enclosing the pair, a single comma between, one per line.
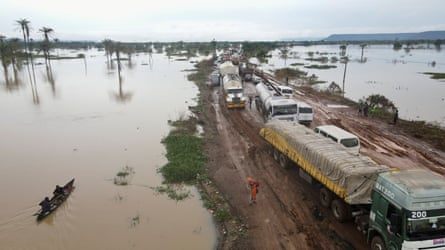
(351,177)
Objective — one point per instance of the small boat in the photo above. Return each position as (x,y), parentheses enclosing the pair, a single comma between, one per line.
(56,200)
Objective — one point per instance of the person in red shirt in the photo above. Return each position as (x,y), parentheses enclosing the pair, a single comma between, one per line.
(253,186)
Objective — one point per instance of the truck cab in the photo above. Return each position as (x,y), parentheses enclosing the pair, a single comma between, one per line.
(233,91)
(280,108)
(408,211)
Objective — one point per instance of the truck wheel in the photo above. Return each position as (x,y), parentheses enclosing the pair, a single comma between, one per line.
(340,210)
(377,243)
(284,162)
(276,155)
(325,197)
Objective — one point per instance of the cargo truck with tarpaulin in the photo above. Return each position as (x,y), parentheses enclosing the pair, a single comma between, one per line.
(396,209)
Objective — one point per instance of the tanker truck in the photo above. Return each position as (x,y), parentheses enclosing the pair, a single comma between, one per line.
(228,68)
(395,209)
(275,107)
(233,91)
(232,86)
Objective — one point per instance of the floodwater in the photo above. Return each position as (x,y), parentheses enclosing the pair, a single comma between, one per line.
(88,126)
(397,75)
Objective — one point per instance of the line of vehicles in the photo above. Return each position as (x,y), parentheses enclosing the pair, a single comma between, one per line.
(395,209)
(272,101)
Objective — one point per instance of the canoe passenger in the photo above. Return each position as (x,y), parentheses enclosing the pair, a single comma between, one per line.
(46,205)
(58,191)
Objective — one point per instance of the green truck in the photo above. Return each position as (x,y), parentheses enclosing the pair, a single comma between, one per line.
(396,209)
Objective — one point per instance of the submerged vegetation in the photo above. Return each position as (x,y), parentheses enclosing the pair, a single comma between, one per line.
(318,66)
(123,177)
(184,153)
(435,75)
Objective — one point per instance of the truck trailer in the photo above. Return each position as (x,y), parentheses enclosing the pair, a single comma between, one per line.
(396,209)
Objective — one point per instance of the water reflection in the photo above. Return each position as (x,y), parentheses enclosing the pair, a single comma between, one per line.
(50,78)
(399,73)
(91,140)
(121,96)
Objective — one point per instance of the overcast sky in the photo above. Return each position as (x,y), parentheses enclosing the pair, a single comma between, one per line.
(224,20)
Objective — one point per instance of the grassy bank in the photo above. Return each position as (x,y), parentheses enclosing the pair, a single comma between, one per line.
(187,157)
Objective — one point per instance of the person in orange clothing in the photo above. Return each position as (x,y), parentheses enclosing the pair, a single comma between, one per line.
(253,186)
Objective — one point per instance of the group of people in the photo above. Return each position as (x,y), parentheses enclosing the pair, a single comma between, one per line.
(365,109)
(46,203)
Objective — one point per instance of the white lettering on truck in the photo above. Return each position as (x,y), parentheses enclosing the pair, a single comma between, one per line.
(418,214)
(385,191)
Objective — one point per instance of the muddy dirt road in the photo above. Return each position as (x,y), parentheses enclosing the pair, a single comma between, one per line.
(288,214)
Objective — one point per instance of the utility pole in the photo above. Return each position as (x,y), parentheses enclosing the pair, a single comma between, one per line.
(344,76)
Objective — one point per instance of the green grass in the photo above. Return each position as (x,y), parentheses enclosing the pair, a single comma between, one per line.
(297,64)
(222,215)
(435,75)
(174,192)
(185,158)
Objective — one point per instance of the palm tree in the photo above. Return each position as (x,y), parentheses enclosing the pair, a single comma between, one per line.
(108,47)
(46,45)
(5,56)
(14,46)
(343,49)
(118,48)
(129,50)
(24,26)
(363,45)
(284,54)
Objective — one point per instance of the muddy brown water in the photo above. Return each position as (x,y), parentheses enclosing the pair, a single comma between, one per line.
(88,126)
(395,74)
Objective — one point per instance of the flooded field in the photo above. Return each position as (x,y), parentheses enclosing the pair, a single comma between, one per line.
(398,75)
(87,125)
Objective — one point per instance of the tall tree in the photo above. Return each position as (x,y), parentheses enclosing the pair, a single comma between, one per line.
(14,46)
(24,25)
(46,44)
(363,45)
(343,49)
(284,54)
(4,56)
(118,48)
(108,47)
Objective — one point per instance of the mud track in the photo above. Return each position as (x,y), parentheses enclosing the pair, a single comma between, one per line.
(288,214)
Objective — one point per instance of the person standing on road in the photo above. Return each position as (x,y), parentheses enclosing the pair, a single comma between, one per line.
(366,109)
(360,104)
(250,102)
(396,117)
(253,186)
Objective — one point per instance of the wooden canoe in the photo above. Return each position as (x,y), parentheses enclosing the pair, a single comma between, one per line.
(57,200)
